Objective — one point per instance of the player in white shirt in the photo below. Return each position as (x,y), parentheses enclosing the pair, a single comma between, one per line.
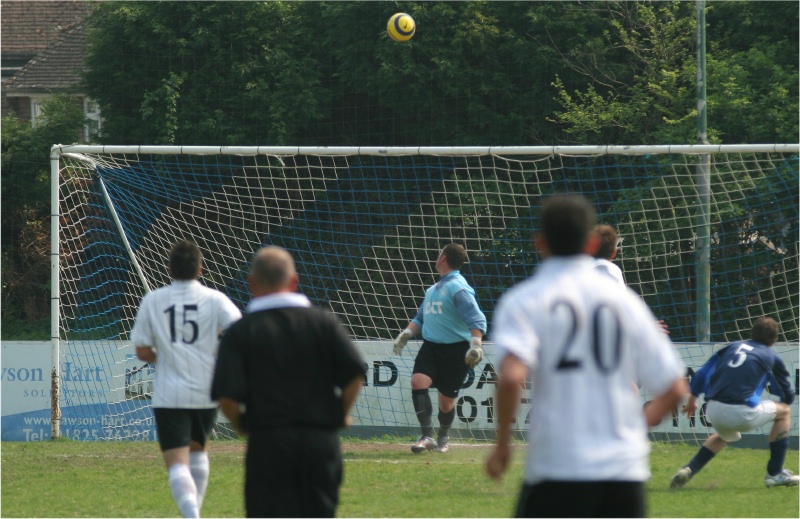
(177,327)
(582,338)
(607,251)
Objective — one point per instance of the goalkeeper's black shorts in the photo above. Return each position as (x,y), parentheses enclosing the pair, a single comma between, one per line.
(444,363)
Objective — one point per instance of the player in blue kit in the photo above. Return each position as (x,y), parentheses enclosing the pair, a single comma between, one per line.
(733,380)
(452,326)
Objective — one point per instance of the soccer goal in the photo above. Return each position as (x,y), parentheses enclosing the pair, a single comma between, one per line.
(709,239)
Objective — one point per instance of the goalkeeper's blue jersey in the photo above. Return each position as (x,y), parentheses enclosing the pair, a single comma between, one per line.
(450,311)
(738,374)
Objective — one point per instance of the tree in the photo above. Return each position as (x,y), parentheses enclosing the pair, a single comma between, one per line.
(475,73)
(752,76)
(26,204)
(201,72)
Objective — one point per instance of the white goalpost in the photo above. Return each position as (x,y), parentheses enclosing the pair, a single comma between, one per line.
(365,225)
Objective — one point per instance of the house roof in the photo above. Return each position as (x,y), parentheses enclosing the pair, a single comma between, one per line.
(57,68)
(28,27)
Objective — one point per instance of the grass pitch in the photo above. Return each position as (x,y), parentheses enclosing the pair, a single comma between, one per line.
(382,479)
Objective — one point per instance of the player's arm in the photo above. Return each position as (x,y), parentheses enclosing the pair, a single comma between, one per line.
(348,366)
(700,383)
(511,379)
(664,403)
(233,411)
(142,335)
(475,353)
(228,314)
(782,379)
(229,384)
(471,314)
(408,333)
(146,353)
(349,395)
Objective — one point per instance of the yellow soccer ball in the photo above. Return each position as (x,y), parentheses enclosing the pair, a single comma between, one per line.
(401,27)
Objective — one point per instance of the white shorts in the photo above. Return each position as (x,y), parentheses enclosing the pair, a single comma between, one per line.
(731,420)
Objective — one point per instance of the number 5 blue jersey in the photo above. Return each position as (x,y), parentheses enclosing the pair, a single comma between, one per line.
(738,373)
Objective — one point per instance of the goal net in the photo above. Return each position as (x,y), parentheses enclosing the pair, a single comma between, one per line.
(709,239)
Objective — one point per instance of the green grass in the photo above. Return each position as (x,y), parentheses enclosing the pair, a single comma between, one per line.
(382,479)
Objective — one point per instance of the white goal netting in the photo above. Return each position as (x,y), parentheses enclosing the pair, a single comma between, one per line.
(365,227)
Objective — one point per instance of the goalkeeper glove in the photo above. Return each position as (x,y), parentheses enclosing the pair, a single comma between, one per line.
(401,340)
(475,353)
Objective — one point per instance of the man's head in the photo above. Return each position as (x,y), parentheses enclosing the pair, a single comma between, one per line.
(765,331)
(608,241)
(272,271)
(185,261)
(566,222)
(452,257)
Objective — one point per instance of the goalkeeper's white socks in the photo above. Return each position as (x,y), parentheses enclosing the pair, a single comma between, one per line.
(199,466)
(184,491)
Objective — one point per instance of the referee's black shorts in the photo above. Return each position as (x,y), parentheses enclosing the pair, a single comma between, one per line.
(444,363)
(292,472)
(582,499)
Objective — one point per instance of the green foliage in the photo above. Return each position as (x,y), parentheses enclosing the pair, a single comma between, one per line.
(650,102)
(476,73)
(26,205)
(201,72)
(22,330)
(752,83)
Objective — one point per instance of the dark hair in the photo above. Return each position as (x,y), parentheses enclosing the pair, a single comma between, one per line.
(608,241)
(566,221)
(765,331)
(184,260)
(456,255)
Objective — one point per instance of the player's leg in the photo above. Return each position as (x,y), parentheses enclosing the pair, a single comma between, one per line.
(778,445)
(292,472)
(423,407)
(421,382)
(273,473)
(729,422)
(202,424)
(706,453)
(452,373)
(174,433)
(447,414)
(322,472)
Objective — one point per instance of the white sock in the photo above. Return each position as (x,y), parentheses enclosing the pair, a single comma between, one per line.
(200,468)
(184,491)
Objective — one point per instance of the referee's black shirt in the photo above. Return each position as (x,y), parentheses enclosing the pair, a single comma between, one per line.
(288,366)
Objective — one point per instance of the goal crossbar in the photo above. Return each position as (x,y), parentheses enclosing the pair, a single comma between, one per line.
(689,149)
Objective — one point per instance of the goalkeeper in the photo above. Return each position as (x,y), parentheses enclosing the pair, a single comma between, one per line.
(452,326)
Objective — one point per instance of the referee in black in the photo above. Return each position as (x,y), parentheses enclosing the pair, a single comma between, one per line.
(287,375)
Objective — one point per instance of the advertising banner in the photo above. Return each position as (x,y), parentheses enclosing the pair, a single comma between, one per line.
(105,392)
